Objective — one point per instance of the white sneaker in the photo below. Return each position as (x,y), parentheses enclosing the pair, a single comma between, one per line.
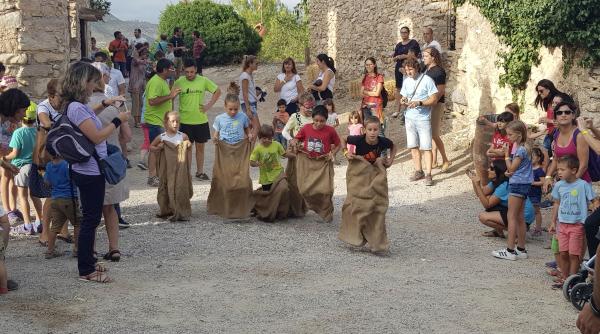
(521,255)
(504,254)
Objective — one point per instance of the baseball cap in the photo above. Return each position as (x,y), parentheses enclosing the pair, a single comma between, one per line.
(30,113)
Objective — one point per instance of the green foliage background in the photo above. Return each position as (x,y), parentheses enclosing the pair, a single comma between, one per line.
(526,25)
(226,34)
(287,30)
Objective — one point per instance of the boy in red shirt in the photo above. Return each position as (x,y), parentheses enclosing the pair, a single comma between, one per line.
(118,47)
(500,138)
(318,138)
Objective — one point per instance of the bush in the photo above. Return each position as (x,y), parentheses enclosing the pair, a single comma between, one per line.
(227,36)
(285,37)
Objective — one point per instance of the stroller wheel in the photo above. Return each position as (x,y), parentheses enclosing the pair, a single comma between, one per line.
(581,294)
(570,282)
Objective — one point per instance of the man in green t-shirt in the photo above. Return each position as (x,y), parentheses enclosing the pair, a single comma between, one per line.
(158,100)
(192,110)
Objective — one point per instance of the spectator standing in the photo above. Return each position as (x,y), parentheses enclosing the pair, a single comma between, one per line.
(199,46)
(119,49)
(407,47)
(93,48)
(192,110)
(289,85)
(429,41)
(371,87)
(137,81)
(161,45)
(178,49)
(116,86)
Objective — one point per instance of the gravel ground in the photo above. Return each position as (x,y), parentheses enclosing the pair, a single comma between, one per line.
(209,275)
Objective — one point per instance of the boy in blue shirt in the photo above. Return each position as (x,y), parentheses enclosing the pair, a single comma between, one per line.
(21,156)
(64,205)
(231,127)
(571,198)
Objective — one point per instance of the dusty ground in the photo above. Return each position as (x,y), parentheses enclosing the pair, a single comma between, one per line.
(213,276)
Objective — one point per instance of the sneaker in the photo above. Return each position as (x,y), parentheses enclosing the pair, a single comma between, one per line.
(38,227)
(128,163)
(153,181)
(521,255)
(428,180)
(123,224)
(504,254)
(12,285)
(202,176)
(141,165)
(417,176)
(20,229)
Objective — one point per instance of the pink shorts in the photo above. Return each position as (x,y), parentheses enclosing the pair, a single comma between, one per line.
(146,144)
(570,238)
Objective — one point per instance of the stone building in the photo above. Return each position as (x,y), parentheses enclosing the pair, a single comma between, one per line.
(350,31)
(39,38)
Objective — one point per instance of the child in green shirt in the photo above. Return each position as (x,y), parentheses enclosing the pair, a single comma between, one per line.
(267,157)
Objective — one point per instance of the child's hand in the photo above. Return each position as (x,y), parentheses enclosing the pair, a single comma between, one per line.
(508,174)
(161,145)
(250,137)
(473,176)
(331,156)
(387,162)
(174,92)
(505,149)
(552,228)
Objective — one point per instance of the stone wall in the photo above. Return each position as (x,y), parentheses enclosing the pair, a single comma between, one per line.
(35,41)
(350,31)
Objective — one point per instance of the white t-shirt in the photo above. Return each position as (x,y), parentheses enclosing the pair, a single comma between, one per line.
(251,87)
(175,139)
(46,108)
(289,90)
(331,118)
(116,79)
(331,82)
(433,44)
(136,41)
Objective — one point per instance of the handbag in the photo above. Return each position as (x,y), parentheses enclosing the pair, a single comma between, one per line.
(37,186)
(113,166)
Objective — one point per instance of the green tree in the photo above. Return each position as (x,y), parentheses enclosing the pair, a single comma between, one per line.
(225,33)
(101,5)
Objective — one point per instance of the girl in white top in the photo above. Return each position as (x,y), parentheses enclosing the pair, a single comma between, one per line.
(247,93)
(332,117)
(46,110)
(289,85)
(171,134)
(326,77)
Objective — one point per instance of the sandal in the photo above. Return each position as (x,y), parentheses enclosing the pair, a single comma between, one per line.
(68,239)
(96,277)
(558,285)
(554,272)
(492,234)
(100,267)
(113,256)
(43,243)
(51,255)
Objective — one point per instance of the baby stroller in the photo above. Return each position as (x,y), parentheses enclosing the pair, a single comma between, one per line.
(578,288)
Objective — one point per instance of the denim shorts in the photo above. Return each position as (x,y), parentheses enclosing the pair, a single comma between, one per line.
(253,107)
(154,131)
(418,134)
(548,143)
(535,199)
(519,189)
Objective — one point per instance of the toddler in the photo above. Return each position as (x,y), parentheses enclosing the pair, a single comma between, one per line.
(22,144)
(267,157)
(279,121)
(571,198)
(500,138)
(355,128)
(535,193)
(232,126)
(332,117)
(64,205)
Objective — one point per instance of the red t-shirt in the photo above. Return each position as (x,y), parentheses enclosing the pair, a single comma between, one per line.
(370,83)
(549,115)
(498,141)
(318,142)
(118,47)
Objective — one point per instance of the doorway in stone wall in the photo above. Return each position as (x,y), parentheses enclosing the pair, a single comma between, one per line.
(82,38)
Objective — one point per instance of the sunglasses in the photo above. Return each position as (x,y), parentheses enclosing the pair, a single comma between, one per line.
(566,112)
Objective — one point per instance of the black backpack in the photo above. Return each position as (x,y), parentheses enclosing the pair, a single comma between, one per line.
(67,141)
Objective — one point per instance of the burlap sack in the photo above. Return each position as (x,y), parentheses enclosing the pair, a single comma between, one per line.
(315,183)
(175,188)
(363,212)
(230,193)
(297,204)
(273,204)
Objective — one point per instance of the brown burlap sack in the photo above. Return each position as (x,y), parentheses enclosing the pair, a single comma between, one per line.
(175,188)
(363,212)
(231,187)
(273,204)
(315,183)
(297,204)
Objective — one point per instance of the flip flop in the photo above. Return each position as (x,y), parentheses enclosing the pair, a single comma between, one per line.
(96,277)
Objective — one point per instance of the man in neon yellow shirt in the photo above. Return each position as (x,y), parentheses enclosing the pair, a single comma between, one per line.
(159,100)
(192,110)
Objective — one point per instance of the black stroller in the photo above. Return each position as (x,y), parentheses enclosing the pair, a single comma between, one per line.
(578,288)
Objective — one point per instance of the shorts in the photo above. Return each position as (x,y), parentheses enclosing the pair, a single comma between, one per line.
(535,199)
(154,131)
(22,179)
(291,108)
(418,134)
(146,143)
(437,112)
(253,107)
(548,143)
(63,209)
(570,238)
(178,63)
(503,212)
(197,133)
(520,190)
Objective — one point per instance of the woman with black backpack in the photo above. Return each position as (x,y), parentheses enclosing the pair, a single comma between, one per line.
(79,83)
(373,91)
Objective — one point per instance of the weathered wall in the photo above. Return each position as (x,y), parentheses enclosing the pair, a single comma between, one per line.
(36,41)
(351,30)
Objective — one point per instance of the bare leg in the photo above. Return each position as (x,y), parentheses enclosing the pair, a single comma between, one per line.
(574,264)
(152,164)
(24,204)
(416,158)
(515,208)
(4,191)
(427,156)
(51,241)
(37,206)
(564,264)
(13,193)
(522,227)
(199,157)
(47,218)
(438,145)
(493,220)
(111,221)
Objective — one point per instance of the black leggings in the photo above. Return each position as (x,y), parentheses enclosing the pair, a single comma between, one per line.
(592,224)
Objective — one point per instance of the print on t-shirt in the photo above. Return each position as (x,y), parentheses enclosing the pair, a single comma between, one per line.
(315,145)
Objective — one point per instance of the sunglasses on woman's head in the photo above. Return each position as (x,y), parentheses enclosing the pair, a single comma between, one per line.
(566,112)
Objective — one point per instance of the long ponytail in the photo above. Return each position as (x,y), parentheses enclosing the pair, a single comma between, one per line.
(327,60)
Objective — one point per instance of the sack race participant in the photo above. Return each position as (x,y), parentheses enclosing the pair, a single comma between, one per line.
(230,193)
(314,163)
(175,186)
(272,200)
(365,207)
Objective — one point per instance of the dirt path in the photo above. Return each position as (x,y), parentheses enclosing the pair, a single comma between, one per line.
(213,276)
